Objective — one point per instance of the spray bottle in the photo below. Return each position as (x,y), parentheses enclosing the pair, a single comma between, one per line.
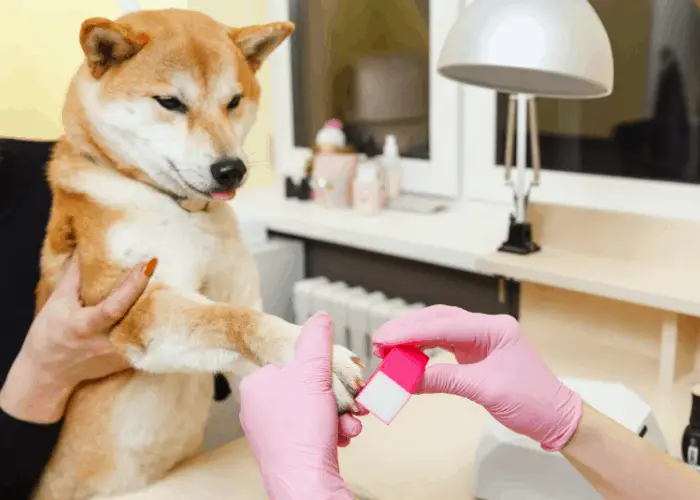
(391,164)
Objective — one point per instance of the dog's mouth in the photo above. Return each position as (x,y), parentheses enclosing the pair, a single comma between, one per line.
(223,195)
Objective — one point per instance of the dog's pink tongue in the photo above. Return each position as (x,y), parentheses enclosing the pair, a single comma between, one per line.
(224,195)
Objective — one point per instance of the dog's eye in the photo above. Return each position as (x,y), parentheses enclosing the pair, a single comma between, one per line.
(233,104)
(171,104)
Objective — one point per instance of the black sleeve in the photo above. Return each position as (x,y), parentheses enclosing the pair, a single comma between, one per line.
(25,200)
(25,449)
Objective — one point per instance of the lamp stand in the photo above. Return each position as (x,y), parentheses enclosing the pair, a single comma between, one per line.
(520,231)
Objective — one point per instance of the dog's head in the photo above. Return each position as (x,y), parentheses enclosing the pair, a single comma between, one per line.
(171,95)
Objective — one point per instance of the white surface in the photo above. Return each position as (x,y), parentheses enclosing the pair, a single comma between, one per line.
(550,48)
(441,175)
(509,466)
(621,404)
(383,397)
(467,238)
(451,239)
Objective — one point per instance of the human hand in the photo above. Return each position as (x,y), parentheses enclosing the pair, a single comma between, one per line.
(68,344)
(497,369)
(291,420)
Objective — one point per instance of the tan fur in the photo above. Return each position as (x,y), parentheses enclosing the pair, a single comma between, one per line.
(130,429)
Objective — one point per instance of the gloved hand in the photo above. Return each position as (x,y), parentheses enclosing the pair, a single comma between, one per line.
(291,420)
(497,369)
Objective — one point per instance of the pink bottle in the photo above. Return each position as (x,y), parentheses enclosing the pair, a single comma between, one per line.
(367,189)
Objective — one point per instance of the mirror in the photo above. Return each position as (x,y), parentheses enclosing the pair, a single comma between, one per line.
(366,63)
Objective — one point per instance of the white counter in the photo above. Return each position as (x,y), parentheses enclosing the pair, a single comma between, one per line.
(468,240)
(450,239)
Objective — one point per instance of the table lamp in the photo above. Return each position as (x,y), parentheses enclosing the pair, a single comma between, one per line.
(526,48)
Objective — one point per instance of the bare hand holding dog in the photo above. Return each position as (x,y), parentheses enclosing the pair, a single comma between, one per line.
(68,344)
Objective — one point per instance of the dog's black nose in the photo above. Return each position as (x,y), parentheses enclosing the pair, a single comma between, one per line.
(229,172)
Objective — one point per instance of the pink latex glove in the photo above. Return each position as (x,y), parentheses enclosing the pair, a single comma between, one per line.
(291,420)
(497,369)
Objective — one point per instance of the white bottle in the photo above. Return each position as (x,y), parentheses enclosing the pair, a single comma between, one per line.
(367,189)
(391,163)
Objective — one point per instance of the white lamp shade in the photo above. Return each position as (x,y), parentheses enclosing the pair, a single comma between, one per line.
(548,48)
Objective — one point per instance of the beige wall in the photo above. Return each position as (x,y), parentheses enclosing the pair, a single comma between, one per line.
(40,52)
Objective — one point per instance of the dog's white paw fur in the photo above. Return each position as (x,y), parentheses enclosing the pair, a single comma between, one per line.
(347,378)
(276,343)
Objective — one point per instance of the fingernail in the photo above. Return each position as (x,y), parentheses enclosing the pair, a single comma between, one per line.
(361,410)
(150,267)
(322,315)
(357,361)
(360,383)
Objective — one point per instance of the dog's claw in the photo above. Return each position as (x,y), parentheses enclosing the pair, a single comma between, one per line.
(357,361)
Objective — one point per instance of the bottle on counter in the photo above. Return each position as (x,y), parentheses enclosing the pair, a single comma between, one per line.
(367,189)
(391,166)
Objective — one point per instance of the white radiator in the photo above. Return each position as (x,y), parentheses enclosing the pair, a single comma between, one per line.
(356,312)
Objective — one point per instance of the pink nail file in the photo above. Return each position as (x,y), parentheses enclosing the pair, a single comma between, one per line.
(393,382)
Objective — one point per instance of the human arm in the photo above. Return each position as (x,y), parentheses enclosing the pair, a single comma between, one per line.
(291,421)
(600,445)
(66,345)
(498,369)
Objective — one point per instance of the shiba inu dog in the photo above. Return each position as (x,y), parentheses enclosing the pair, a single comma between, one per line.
(154,122)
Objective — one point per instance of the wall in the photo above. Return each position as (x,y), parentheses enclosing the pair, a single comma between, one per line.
(257,146)
(628,24)
(674,26)
(40,53)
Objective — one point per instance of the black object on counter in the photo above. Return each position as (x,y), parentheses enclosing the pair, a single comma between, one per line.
(301,191)
(304,190)
(691,436)
(519,239)
(290,189)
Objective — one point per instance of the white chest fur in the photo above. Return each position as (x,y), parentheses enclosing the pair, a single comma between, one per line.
(159,419)
(197,251)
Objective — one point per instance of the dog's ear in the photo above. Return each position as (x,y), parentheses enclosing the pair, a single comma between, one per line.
(107,44)
(258,42)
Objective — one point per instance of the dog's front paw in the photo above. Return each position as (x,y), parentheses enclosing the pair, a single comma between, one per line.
(347,378)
